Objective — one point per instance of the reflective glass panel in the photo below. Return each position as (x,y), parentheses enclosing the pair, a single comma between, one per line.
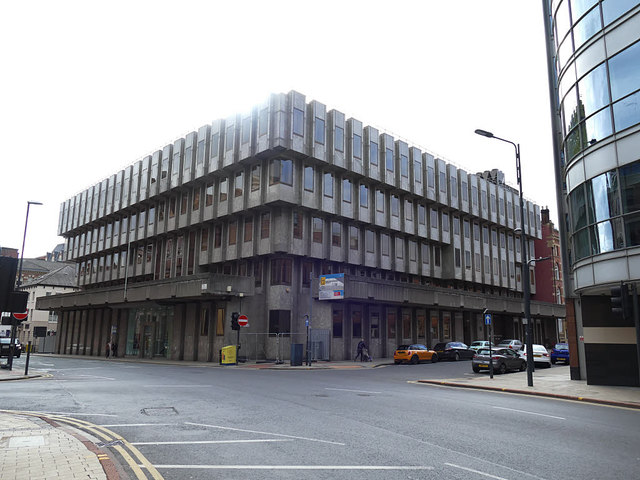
(570,110)
(357,146)
(612,9)
(598,126)
(630,186)
(626,112)
(603,193)
(581,244)
(603,241)
(319,130)
(632,230)
(624,70)
(578,208)
(298,122)
(587,27)
(579,7)
(592,91)
(562,20)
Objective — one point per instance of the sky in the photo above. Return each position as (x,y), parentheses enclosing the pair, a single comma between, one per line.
(88,88)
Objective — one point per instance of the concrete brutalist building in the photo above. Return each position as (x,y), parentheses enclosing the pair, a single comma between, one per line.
(247,213)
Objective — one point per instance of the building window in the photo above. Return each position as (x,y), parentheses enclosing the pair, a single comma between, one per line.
(436,256)
(248,229)
(454,187)
(422,214)
(238,184)
(369,240)
(443,182)
(308,178)
(298,122)
(457,257)
(346,190)
(217,236)
(353,238)
(445,222)
(328,185)
(208,195)
(467,260)
(364,196)
(228,141)
(477,260)
(317,230)
(408,210)
(265,225)
(404,166)
(255,178)
(233,232)
(395,206)
(336,234)
(281,271)
(257,273)
(456,226)
(399,247)
(246,130)
(357,146)
(384,244)
(279,322)
(339,136)
(281,172)
(337,323)
(297,225)
(319,131)
(425,253)
(223,190)
(389,159)
(204,240)
(413,251)
(219,322)
(434,218)
(356,324)
(380,201)
(373,153)
(464,187)
(307,272)
(466,228)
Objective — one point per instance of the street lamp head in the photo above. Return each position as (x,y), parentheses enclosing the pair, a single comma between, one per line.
(34,203)
(484,133)
(517,231)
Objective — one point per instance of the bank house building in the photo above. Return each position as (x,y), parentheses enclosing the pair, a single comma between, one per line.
(254,212)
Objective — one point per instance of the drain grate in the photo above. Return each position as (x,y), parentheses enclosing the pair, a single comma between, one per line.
(159,411)
(109,444)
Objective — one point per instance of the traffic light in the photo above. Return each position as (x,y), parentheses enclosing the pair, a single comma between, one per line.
(8,267)
(234,321)
(621,301)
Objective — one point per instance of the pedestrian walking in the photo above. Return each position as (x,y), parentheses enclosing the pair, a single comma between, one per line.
(114,349)
(107,350)
(361,347)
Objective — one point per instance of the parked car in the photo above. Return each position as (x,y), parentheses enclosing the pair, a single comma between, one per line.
(480,344)
(510,343)
(560,352)
(414,354)
(504,359)
(540,355)
(453,351)
(5,345)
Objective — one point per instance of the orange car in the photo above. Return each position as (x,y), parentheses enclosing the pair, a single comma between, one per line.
(414,354)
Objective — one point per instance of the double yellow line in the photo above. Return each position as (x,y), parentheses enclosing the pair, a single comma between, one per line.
(125,449)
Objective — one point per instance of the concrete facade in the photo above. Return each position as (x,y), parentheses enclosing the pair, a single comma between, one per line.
(248,213)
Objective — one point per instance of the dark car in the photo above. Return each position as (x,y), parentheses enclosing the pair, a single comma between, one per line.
(453,351)
(560,353)
(4,347)
(504,359)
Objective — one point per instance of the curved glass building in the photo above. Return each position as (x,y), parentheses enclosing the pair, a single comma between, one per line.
(594,64)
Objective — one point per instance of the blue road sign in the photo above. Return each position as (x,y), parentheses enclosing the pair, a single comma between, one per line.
(487,319)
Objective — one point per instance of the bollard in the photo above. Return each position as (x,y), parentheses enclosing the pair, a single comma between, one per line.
(26,366)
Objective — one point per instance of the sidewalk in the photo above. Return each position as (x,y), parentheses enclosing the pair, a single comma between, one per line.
(34,448)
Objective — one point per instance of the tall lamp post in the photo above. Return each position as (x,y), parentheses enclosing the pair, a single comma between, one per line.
(525,263)
(14,322)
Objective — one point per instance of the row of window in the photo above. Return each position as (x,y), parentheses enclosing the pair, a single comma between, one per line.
(605,212)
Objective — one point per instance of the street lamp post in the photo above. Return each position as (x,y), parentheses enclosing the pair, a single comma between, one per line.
(525,264)
(14,322)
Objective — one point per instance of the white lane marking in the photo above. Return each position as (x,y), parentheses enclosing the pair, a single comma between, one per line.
(75,414)
(177,386)
(137,425)
(263,433)
(475,471)
(205,442)
(295,467)
(348,390)
(529,413)
(95,376)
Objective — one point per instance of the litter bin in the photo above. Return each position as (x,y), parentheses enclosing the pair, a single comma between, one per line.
(228,355)
(296,354)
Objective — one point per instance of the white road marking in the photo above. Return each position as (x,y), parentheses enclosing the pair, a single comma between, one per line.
(530,413)
(138,425)
(204,442)
(94,376)
(74,414)
(295,467)
(348,390)
(177,386)
(263,433)
(475,471)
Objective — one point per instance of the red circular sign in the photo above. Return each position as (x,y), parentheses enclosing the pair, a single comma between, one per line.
(243,320)
(21,316)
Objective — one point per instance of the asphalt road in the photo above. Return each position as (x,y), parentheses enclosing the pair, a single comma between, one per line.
(197,422)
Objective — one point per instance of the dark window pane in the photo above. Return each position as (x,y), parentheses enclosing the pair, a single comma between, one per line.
(630,186)
(319,137)
(298,122)
(632,230)
(389,159)
(339,136)
(624,70)
(337,323)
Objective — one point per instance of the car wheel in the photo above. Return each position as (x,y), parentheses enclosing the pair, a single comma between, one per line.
(476,369)
(553,360)
(434,358)
(523,367)
(456,357)
(502,368)
(415,360)
(397,362)
(547,365)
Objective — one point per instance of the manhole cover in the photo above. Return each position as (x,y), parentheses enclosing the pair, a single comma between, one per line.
(110,444)
(159,411)
(19,442)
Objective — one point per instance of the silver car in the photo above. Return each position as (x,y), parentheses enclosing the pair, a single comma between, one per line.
(480,344)
(504,359)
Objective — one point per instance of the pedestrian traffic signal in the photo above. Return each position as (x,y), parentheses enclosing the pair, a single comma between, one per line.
(234,321)
(621,302)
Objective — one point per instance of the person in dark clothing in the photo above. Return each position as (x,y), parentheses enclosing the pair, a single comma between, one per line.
(107,350)
(361,347)
(114,349)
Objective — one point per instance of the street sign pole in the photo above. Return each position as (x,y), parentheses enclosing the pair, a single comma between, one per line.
(489,323)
